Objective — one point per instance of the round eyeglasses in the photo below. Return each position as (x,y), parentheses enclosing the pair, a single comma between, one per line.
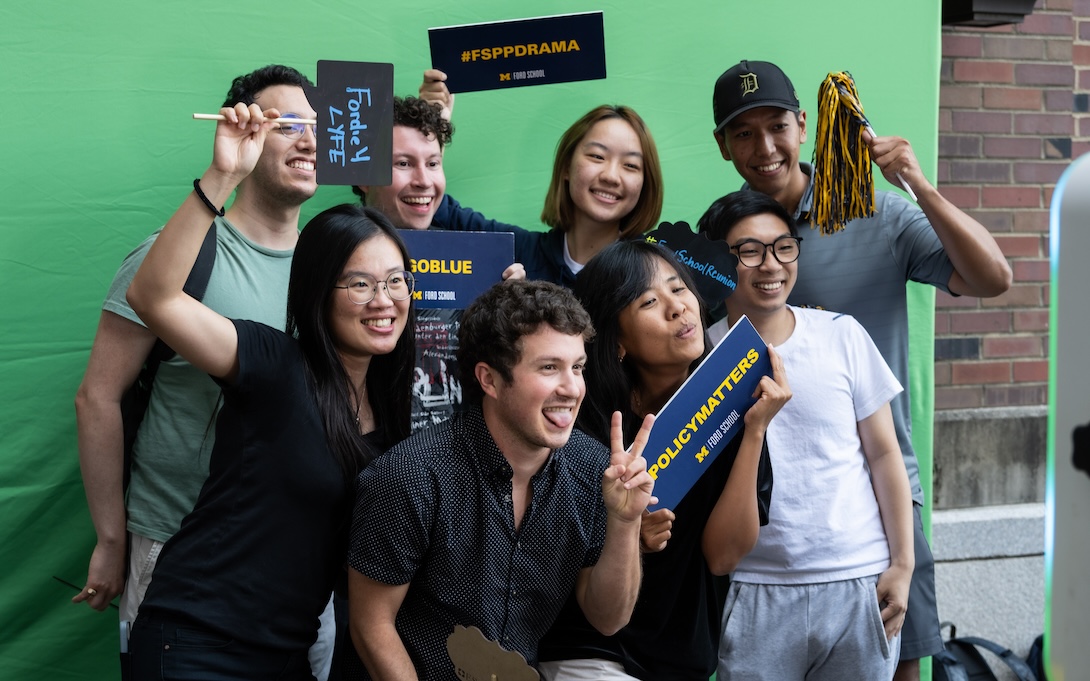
(751,253)
(294,131)
(362,288)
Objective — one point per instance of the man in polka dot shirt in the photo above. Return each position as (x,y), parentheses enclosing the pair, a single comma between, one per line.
(492,518)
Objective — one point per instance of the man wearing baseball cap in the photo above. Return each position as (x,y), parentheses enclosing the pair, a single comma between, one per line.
(862,270)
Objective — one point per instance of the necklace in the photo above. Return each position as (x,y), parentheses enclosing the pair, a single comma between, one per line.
(359,403)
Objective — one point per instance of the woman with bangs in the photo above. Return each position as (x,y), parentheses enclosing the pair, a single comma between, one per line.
(650,337)
(606,186)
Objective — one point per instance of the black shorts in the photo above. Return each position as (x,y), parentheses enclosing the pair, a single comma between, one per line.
(920,636)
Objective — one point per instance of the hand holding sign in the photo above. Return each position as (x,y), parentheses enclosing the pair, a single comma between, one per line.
(240,137)
(353,127)
(771,394)
(434,90)
(655,529)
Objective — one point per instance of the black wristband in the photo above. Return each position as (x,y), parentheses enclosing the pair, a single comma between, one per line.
(202,197)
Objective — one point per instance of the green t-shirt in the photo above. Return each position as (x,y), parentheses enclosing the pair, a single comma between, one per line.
(170,457)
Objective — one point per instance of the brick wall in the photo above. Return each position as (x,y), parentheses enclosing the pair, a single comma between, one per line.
(1012,114)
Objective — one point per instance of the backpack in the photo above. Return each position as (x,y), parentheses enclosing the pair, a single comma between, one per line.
(962,661)
(1035,658)
(134,402)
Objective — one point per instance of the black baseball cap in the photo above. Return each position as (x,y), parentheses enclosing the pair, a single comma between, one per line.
(748,85)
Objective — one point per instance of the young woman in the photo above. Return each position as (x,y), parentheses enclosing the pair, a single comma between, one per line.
(839,538)
(238,590)
(649,338)
(606,185)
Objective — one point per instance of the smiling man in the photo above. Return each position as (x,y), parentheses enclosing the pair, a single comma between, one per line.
(839,535)
(862,270)
(418,181)
(492,518)
(255,240)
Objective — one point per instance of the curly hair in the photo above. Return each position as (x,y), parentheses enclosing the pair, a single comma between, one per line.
(415,113)
(493,326)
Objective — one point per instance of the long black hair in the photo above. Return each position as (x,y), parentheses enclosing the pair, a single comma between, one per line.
(608,284)
(325,245)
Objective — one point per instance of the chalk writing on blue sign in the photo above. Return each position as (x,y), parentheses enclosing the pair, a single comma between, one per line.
(359,99)
(356,126)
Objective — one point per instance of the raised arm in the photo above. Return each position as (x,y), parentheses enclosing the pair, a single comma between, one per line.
(607,591)
(735,523)
(887,471)
(204,338)
(116,358)
(980,268)
(372,608)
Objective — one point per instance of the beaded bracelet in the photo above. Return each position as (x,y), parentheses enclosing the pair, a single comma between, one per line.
(202,197)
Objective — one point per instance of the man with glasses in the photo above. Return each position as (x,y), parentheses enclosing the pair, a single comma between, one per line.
(839,535)
(255,238)
(862,270)
(492,518)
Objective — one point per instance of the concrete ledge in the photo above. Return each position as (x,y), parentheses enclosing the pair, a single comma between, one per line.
(990,456)
(988,532)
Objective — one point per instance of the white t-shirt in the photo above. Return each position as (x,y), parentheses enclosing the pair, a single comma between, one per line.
(824,523)
(575,267)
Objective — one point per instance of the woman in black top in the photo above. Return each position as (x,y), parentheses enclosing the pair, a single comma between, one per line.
(238,590)
(650,337)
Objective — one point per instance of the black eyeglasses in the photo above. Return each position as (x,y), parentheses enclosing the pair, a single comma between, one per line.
(751,253)
(294,131)
(362,288)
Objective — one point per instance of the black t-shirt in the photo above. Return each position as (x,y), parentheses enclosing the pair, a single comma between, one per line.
(674,630)
(257,557)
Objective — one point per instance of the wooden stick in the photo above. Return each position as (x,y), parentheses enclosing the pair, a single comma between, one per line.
(904,184)
(219,117)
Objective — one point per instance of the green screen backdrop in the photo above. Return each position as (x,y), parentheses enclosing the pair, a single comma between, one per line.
(96,107)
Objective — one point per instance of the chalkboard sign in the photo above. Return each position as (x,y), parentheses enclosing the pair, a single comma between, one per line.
(355,106)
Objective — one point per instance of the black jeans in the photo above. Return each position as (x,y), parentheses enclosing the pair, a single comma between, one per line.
(167,650)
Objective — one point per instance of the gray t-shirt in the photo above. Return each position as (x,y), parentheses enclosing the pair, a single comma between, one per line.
(170,456)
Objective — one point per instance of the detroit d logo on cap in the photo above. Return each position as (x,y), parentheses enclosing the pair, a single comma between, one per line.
(749,83)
